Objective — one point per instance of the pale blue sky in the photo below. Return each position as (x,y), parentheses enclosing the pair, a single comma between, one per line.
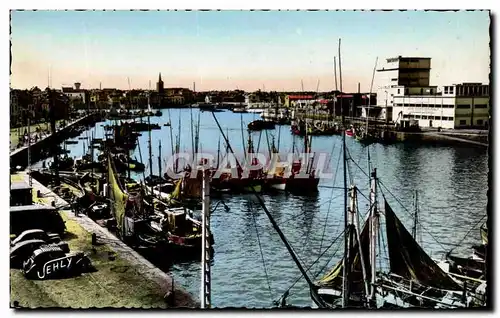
(249,50)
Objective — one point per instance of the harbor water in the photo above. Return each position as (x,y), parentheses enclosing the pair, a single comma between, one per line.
(251,266)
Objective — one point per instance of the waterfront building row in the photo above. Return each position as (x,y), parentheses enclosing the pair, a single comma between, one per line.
(405,95)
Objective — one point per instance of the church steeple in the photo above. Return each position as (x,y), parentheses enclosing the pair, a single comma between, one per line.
(159,85)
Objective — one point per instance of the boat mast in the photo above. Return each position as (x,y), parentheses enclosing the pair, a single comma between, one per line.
(242,135)
(53,130)
(347,234)
(205,243)
(192,131)
(159,158)
(373,231)
(218,153)
(354,223)
(29,146)
(336,87)
(150,152)
(370,96)
(415,217)
(197,135)
(171,134)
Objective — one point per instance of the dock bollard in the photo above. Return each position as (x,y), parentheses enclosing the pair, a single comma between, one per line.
(170,295)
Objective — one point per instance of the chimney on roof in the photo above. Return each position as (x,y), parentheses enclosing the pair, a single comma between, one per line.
(359,88)
(77,86)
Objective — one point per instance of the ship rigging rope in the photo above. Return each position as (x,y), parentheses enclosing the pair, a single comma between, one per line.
(357,165)
(298,213)
(330,203)
(409,213)
(314,263)
(399,201)
(466,234)
(260,248)
(331,155)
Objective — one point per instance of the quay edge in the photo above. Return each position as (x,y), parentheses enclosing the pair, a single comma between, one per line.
(126,280)
(21,154)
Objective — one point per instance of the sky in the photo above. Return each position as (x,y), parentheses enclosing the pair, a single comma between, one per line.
(249,50)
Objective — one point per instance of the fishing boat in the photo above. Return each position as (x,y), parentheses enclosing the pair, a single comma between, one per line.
(318,129)
(239,110)
(261,124)
(412,271)
(276,178)
(350,132)
(181,230)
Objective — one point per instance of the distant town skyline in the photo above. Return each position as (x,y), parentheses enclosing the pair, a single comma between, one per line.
(249,50)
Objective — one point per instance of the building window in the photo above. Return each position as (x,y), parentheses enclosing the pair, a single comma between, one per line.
(479,122)
(463,106)
(432,91)
(399,91)
(424,117)
(417,116)
(421,91)
(451,89)
(446,89)
(481,106)
(437,117)
(463,122)
(430,105)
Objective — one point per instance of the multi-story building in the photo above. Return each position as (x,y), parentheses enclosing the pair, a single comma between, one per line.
(78,97)
(405,94)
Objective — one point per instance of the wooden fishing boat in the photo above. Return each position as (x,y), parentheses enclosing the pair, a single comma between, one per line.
(365,138)
(261,125)
(181,230)
(412,273)
(239,110)
(300,129)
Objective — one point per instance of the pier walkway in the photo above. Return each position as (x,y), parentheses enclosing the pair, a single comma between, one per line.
(124,279)
(455,138)
(75,122)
